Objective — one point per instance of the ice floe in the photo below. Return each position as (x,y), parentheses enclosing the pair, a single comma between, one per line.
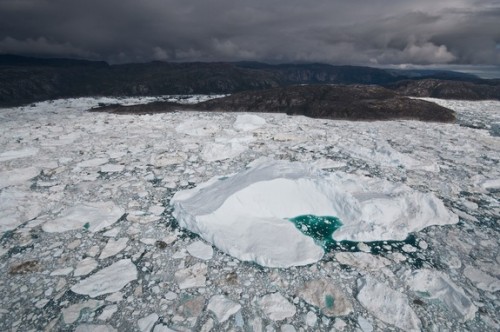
(93,216)
(327,297)
(15,154)
(222,307)
(248,122)
(17,207)
(436,285)
(108,280)
(276,306)
(17,176)
(387,304)
(362,261)
(482,280)
(200,250)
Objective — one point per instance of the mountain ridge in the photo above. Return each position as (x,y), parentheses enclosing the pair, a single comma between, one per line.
(25,80)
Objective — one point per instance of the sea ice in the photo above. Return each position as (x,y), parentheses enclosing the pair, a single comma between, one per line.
(387,304)
(222,307)
(276,306)
(194,276)
(436,285)
(108,280)
(94,328)
(72,313)
(323,294)
(17,176)
(113,247)
(198,128)
(248,122)
(481,279)
(15,154)
(85,266)
(362,260)
(93,216)
(221,151)
(240,214)
(200,250)
(17,207)
(146,324)
(92,162)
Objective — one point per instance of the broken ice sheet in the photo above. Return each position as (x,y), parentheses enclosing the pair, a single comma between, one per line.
(436,285)
(108,280)
(93,216)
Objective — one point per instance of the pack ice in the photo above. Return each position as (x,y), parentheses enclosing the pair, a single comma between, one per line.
(247,214)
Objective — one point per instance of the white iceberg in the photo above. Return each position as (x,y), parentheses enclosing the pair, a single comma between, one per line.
(247,215)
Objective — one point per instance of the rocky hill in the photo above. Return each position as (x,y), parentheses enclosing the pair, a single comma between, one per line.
(350,102)
(445,89)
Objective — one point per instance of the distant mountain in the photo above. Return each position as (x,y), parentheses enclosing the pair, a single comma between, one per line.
(348,102)
(444,89)
(24,80)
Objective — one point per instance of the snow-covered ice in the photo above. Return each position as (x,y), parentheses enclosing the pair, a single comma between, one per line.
(200,250)
(108,280)
(94,216)
(222,307)
(241,213)
(276,306)
(248,122)
(436,285)
(387,304)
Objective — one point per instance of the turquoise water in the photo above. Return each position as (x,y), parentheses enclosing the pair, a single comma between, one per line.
(320,228)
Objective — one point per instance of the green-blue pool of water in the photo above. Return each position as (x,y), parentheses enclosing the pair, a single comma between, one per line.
(321,228)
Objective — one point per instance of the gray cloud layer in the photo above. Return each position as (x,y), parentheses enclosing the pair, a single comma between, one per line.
(344,31)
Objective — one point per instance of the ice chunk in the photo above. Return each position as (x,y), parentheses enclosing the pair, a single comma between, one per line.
(221,151)
(384,154)
(72,313)
(17,176)
(92,162)
(194,276)
(276,306)
(92,216)
(113,247)
(481,279)
(379,210)
(17,207)
(324,295)
(112,168)
(248,122)
(95,328)
(15,154)
(241,214)
(146,324)
(198,128)
(386,304)
(222,307)
(85,266)
(491,184)
(362,261)
(108,280)
(200,250)
(436,285)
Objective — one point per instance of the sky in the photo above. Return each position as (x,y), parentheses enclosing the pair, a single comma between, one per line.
(358,32)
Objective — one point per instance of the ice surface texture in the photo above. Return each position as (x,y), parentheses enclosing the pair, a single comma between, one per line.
(247,214)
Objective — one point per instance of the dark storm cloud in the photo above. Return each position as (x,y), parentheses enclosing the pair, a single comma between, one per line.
(346,31)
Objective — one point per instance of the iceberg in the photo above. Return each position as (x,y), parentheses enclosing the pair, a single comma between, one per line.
(249,215)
